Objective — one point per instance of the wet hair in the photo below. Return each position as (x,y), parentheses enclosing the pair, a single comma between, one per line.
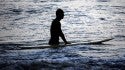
(59,12)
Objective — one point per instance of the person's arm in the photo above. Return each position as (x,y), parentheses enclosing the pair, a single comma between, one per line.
(62,36)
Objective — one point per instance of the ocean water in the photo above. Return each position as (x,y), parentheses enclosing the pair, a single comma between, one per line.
(27,23)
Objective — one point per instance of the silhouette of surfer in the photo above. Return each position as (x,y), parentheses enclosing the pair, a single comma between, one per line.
(55,30)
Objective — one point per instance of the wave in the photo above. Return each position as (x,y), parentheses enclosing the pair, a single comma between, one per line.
(56,0)
(11,11)
(118,7)
(119,13)
(103,0)
(120,36)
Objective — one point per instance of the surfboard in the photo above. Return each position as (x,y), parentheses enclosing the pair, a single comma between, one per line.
(63,45)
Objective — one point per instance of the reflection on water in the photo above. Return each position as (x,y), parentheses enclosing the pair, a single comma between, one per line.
(27,23)
(22,21)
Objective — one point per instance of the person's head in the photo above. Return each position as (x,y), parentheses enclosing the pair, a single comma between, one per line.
(59,14)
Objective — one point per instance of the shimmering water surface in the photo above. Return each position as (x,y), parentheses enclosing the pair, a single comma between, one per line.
(27,23)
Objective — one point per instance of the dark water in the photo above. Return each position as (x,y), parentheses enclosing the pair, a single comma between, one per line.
(27,23)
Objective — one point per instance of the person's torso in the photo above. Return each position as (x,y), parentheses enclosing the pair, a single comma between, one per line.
(55,28)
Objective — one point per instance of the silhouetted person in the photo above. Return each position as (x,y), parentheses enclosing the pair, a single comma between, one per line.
(55,29)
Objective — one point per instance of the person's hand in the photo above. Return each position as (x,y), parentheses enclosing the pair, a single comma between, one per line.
(67,43)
